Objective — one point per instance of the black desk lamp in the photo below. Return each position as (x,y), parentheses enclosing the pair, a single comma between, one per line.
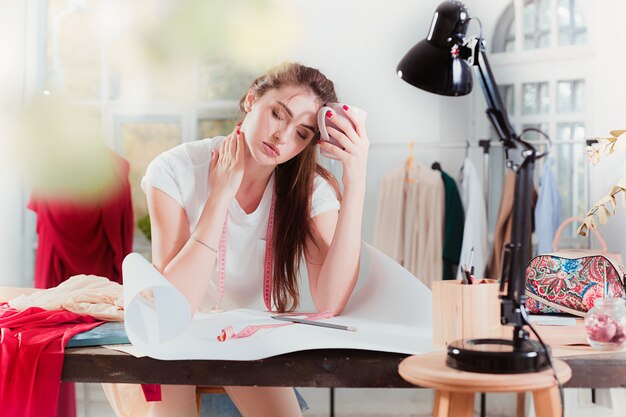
(441,64)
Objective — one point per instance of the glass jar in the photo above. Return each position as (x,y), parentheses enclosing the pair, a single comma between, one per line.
(605,324)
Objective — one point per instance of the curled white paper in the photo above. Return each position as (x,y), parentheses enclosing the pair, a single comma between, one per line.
(155,312)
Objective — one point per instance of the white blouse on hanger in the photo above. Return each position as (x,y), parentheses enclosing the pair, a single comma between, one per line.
(475,232)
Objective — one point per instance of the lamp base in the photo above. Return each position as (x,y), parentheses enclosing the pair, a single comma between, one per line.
(497,356)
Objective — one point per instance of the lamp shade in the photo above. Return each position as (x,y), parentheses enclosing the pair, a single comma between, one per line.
(435,64)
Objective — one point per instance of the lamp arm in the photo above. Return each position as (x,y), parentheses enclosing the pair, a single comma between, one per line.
(520,157)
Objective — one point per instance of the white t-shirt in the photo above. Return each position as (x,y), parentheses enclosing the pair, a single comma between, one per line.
(183,174)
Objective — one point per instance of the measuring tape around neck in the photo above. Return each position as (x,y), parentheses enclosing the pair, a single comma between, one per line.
(267,265)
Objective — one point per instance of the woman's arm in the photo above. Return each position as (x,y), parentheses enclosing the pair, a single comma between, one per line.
(333,255)
(187,264)
(183,260)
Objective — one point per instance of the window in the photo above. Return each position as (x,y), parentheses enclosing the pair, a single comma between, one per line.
(572,29)
(536,24)
(571,96)
(536,98)
(550,96)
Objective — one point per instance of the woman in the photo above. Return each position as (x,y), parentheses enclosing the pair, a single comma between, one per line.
(211,199)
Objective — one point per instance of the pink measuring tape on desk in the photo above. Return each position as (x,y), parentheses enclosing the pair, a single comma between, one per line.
(228,332)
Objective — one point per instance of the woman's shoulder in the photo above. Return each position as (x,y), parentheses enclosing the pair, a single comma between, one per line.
(324,196)
(177,171)
(192,154)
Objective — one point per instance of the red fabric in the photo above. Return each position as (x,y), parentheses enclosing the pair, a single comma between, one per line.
(151,392)
(31,358)
(84,238)
(66,406)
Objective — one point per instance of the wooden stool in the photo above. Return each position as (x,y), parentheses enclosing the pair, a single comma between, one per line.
(206,390)
(454,390)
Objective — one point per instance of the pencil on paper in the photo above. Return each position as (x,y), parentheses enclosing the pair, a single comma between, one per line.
(315,323)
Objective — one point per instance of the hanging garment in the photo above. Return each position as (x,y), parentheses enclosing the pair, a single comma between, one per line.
(475,231)
(84,238)
(389,226)
(454,221)
(548,209)
(409,220)
(31,358)
(504,225)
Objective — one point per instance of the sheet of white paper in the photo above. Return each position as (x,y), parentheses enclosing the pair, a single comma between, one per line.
(391,309)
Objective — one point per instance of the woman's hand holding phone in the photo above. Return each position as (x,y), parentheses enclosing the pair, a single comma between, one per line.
(227,167)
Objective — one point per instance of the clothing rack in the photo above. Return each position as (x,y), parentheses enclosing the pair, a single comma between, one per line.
(485,145)
(479,144)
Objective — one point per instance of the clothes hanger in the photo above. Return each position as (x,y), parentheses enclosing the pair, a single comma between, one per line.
(545,135)
(408,165)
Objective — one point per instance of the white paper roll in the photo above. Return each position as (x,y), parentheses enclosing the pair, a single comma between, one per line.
(155,311)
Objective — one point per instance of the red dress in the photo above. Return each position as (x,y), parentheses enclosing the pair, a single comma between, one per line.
(84,238)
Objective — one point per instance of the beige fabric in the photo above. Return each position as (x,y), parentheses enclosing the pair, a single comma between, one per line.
(9,293)
(504,226)
(127,400)
(389,226)
(82,294)
(410,220)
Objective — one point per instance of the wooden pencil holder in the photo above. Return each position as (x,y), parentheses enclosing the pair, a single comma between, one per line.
(462,311)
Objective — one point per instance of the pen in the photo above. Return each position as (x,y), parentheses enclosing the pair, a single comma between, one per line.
(471,267)
(315,323)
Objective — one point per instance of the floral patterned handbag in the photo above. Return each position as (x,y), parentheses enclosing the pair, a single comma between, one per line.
(569,281)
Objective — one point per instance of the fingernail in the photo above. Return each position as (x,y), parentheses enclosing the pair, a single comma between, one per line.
(329,114)
(319,141)
(238,132)
(239,124)
(345,107)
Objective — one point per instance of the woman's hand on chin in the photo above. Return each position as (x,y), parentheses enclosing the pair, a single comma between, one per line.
(227,166)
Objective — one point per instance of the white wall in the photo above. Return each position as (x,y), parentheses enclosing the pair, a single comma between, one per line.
(610,109)
(11,83)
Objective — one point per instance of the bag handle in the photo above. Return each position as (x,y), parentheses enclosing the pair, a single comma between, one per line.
(557,236)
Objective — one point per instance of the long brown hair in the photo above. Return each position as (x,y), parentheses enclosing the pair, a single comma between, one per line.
(293,184)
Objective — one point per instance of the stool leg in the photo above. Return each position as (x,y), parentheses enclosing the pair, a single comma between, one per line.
(547,402)
(453,404)
(442,404)
(520,409)
(462,404)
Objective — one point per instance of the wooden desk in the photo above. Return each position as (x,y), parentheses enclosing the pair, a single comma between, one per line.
(315,368)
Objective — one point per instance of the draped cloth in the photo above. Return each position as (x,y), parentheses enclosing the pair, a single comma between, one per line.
(84,237)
